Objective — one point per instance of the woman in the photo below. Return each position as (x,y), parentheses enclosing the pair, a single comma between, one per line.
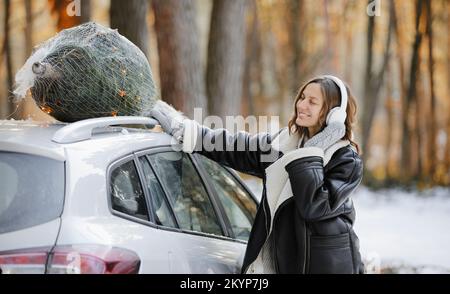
(309,169)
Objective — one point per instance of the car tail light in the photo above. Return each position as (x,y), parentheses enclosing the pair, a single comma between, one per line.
(29,261)
(74,259)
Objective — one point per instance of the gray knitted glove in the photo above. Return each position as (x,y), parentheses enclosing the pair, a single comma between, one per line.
(332,133)
(170,119)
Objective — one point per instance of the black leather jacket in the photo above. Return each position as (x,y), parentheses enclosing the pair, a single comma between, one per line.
(312,231)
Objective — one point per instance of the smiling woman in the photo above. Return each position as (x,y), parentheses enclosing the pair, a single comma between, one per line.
(308,107)
(313,104)
(304,221)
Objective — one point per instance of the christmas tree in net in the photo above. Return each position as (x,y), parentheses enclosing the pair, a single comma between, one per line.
(88,71)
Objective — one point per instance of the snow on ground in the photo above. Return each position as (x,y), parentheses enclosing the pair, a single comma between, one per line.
(410,228)
(399,231)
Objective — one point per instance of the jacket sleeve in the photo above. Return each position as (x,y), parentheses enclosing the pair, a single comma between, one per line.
(319,193)
(242,151)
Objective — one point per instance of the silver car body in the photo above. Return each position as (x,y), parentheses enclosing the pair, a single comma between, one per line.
(87,217)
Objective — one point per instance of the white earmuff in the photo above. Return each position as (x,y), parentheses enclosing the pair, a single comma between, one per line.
(338,114)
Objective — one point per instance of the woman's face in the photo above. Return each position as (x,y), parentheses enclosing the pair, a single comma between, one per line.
(308,107)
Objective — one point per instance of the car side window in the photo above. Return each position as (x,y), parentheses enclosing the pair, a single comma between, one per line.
(186,193)
(238,204)
(163,215)
(127,195)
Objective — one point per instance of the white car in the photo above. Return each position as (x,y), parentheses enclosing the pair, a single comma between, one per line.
(98,197)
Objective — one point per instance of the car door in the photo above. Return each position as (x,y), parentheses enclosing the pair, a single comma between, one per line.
(237,202)
(135,227)
(203,243)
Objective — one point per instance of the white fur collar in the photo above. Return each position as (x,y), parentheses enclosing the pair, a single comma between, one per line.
(285,142)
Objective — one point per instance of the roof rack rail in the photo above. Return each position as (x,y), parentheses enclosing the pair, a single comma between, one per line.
(82,130)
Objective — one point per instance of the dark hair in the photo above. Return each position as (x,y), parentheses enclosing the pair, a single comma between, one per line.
(332,98)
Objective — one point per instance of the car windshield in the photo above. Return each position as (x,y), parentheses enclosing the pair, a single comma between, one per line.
(31,190)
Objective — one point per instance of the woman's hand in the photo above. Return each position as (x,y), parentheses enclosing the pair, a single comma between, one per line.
(332,133)
(170,119)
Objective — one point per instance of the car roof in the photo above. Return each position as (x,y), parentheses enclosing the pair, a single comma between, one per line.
(35,137)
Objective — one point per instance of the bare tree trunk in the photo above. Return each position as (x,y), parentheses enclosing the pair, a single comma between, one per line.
(373,81)
(297,65)
(85,11)
(68,14)
(420,129)
(330,48)
(252,68)
(412,89)
(28,28)
(406,140)
(8,57)
(181,72)
(130,18)
(401,64)
(432,118)
(226,52)
(348,37)
(25,105)
(447,147)
(295,19)
(390,122)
